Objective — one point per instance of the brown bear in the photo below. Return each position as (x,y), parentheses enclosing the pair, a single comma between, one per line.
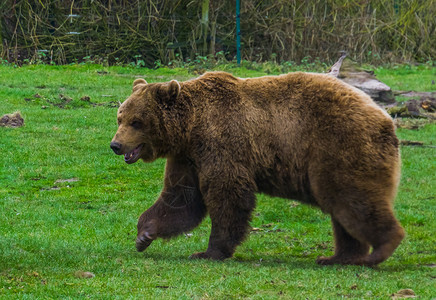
(308,137)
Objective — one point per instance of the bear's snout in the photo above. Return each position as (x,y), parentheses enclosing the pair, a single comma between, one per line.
(116,147)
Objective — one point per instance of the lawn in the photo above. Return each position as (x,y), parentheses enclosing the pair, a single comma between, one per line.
(69,206)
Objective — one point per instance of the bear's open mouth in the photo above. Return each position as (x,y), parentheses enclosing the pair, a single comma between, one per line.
(133,156)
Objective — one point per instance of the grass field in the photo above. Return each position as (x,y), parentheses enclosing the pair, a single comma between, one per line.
(68,206)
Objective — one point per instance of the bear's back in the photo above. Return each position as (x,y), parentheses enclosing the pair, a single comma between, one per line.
(292,90)
(293,104)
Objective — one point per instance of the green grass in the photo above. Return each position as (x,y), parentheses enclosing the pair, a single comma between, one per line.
(50,230)
(420,78)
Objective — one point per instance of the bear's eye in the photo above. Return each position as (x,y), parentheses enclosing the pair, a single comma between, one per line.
(136,124)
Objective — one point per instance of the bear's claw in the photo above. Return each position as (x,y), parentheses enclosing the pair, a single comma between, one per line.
(142,242)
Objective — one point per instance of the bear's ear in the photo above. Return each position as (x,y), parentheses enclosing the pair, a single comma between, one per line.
(138,84)
(169,91)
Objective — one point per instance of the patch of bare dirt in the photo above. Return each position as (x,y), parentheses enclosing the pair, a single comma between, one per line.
(12,120)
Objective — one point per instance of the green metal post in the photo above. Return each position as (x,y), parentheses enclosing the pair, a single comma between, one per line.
(396,7)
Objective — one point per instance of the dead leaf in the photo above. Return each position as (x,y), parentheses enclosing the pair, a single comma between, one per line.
(404,293)
(82,274)
(65,98)
(294,204)
(67,180)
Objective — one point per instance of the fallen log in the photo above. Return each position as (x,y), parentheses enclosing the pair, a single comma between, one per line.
(414,94)
(349,72)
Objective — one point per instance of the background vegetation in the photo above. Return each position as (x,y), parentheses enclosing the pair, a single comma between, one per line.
(69,206)
(146,31)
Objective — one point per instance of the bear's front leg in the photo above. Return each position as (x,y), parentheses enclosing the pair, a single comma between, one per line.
(179,209)
(230,207)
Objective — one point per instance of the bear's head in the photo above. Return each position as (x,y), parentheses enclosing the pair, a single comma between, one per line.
(141,133)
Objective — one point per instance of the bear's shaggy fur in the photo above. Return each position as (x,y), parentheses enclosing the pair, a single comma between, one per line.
(302,136)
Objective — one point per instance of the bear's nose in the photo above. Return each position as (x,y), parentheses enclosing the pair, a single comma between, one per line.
(116,147)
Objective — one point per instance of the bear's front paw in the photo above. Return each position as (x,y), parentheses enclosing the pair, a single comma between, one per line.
(143,241)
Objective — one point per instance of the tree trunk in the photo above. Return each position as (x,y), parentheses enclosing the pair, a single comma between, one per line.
(204,24)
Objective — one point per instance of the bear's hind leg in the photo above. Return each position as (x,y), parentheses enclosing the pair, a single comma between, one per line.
(384,242)
(348,250)
(376,227)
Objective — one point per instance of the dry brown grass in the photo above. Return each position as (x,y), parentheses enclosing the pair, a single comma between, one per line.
(120,30)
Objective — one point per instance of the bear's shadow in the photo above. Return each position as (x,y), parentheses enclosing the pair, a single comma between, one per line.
(290,262)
